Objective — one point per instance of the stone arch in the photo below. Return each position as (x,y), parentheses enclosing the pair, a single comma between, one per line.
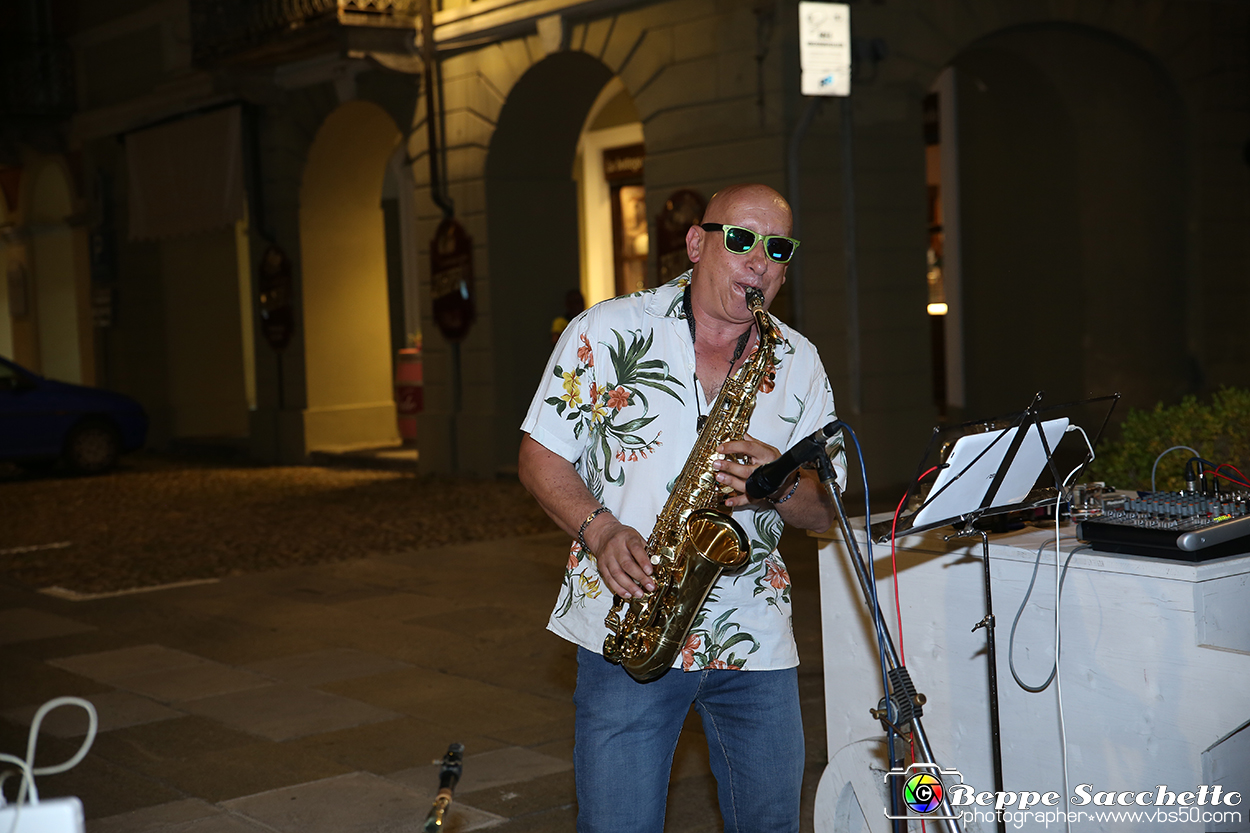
(479,85)
(532,219)
(347,356)
(1154,36)
(1071,147)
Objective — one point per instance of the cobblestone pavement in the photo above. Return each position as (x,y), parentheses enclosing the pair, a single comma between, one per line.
(161,519)
(310,688)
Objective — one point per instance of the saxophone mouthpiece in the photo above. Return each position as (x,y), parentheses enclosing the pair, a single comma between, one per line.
(755,298)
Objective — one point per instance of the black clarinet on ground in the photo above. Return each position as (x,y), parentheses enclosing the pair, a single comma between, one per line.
(447,778)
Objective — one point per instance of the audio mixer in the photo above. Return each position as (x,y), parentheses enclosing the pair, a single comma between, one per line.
(1183,526)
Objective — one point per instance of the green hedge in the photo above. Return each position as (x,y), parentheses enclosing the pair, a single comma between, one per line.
(1219,430)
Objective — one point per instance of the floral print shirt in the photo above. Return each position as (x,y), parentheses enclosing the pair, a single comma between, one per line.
(620,400)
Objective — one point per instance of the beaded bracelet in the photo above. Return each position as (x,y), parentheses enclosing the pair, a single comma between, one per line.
(788,494)
(582,531)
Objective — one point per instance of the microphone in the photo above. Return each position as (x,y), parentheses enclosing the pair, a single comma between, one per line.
(768,478)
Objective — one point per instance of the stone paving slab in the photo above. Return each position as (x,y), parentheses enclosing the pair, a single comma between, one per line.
(193,682)
(543,731)
(113,666)
(409,643)
(23,625)
(220,823)
(97,640)
(324,666)
(561,819)
(152,748)
(105,788)
(388,747)
(322,621)
(163,817)
(226,774)
(356,803)
(30,682)
(142,613)
(233,642)
(283,712)
(114,710)
(486,713)
(537,794)
(488,770)
(432,695)
(485,622)
(402,607)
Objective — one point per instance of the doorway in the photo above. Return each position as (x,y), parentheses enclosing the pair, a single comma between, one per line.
(1070,205)
(533,227)
(347,326)
(611,168)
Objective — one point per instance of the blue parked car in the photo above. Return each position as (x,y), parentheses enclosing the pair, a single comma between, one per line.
(42,420)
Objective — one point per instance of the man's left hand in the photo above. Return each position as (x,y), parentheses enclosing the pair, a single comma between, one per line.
(731,473)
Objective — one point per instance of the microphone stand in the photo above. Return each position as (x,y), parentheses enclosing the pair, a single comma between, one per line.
(996,742)
(900,681)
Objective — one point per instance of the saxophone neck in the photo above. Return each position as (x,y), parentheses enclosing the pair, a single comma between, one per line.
(763,321)
(767,329)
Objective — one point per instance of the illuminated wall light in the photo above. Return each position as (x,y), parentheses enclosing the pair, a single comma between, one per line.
(937,309)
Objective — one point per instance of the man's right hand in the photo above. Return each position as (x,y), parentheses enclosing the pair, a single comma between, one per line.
(621,553)
(619,550)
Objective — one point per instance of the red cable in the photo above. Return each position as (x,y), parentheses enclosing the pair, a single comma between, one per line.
(902,657)
(898,610)
(1243,483)
(1234,468)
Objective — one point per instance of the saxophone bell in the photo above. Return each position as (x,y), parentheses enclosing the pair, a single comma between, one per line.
(656,625)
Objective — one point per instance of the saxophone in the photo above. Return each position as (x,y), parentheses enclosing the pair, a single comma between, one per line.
(693,542)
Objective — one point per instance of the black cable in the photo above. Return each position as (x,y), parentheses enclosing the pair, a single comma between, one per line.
(1215,469)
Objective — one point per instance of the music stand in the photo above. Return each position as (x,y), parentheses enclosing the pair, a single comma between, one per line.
(1006,436)
(990,468)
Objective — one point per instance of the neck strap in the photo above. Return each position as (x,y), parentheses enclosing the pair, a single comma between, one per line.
(688,309)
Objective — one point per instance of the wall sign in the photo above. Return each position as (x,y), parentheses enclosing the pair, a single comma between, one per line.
(681,210)
(451,279)
(624,162)
(277,317)
(825,48)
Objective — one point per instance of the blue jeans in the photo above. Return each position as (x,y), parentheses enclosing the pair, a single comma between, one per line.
(626,734)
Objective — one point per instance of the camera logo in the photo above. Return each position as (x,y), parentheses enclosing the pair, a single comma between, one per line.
(923,787)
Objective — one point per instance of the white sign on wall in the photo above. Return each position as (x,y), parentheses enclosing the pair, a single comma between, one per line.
(825,48)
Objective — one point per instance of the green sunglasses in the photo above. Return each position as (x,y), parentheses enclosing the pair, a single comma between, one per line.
(741,240)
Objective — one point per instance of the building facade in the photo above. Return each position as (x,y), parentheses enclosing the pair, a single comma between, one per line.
(234,220)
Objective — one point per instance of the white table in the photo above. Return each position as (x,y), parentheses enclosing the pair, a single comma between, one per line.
(1155,670)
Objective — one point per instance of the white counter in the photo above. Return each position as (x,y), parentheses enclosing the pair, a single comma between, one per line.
(1155,670)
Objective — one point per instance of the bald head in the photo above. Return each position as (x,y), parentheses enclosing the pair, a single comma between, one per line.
(722,276)
(731,201)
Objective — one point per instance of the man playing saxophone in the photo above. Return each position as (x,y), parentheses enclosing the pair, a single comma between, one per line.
(630,385)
